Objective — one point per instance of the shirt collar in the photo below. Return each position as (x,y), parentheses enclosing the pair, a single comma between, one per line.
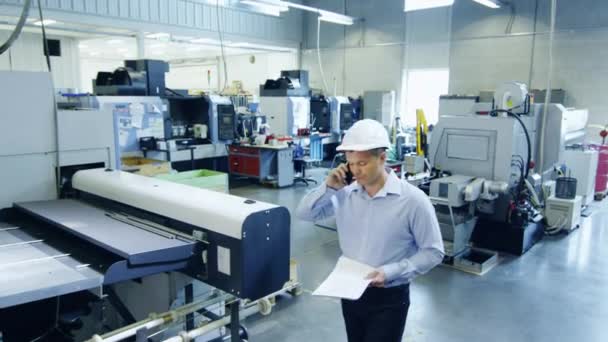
(391,186)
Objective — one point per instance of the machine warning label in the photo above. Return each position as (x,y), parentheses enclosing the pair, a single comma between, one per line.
(223,260)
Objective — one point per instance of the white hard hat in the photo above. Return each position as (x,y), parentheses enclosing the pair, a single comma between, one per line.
(365,135)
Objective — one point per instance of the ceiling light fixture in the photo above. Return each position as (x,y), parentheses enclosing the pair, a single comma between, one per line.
(335,18)
(282,6)
(271,5)
(46,22)
(489,3)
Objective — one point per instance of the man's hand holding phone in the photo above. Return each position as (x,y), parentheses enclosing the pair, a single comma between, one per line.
(339,177)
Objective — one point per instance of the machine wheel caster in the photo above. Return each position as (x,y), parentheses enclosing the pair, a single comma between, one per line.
(296,291)
(243,334)
(265,306)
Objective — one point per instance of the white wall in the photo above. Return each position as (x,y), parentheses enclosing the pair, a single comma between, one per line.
(193,74)
(472,40)
(26,54)
(372,54)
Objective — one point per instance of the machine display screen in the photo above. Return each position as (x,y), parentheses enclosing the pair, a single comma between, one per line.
(469,147)
(346,116)
(226,118)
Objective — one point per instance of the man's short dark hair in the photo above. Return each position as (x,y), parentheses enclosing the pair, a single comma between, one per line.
(376,152)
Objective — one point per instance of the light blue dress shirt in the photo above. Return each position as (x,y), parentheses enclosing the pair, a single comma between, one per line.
(396,230)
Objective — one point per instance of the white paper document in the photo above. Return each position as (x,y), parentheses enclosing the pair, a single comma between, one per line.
(347,280)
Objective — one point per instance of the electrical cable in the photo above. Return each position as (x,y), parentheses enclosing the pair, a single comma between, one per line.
(533,44)
(55,113)
(221,36)
(173,92)
(319,55)
(509,26)
(45,43)
(548,91)
(518,118)
(18,28)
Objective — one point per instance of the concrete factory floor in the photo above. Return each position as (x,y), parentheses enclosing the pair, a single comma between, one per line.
(555,292)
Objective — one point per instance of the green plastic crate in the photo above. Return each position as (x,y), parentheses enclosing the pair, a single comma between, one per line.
(205,179)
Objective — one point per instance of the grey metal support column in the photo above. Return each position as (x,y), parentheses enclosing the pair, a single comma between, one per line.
(141,45)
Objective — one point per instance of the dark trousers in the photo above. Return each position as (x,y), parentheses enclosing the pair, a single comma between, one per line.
(378,316)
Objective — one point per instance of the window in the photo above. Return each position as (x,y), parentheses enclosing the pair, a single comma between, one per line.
(421,88)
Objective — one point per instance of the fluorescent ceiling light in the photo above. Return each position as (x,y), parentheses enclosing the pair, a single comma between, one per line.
(94,53)
(272,5)
(115,41)
(122,50)
(262,9)
(335,18)
(415,5)
(158,35)
(83,46)
(488,3)
(45,22)
(259,47)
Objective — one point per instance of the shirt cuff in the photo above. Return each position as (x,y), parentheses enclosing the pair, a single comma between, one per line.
(324,189)
(395,270)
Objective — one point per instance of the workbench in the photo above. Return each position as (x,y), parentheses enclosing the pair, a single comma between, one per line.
(266,163)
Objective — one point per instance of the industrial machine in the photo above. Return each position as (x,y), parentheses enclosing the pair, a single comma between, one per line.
(133,117)
(70,245)
(379,106)
(563,214)
(564,127)
(342,115)
(143,77)
(582,165)
(286,102)
(320,114)
(30,165)
(499,142)
(291,83)
(198,120)
(454,198)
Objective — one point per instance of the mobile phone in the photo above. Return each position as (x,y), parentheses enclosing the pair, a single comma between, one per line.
(349,175)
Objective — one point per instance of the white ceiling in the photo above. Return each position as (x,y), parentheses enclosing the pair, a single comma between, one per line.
(125,47)
(110,43)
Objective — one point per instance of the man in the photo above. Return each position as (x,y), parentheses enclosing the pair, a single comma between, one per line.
(383,222)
